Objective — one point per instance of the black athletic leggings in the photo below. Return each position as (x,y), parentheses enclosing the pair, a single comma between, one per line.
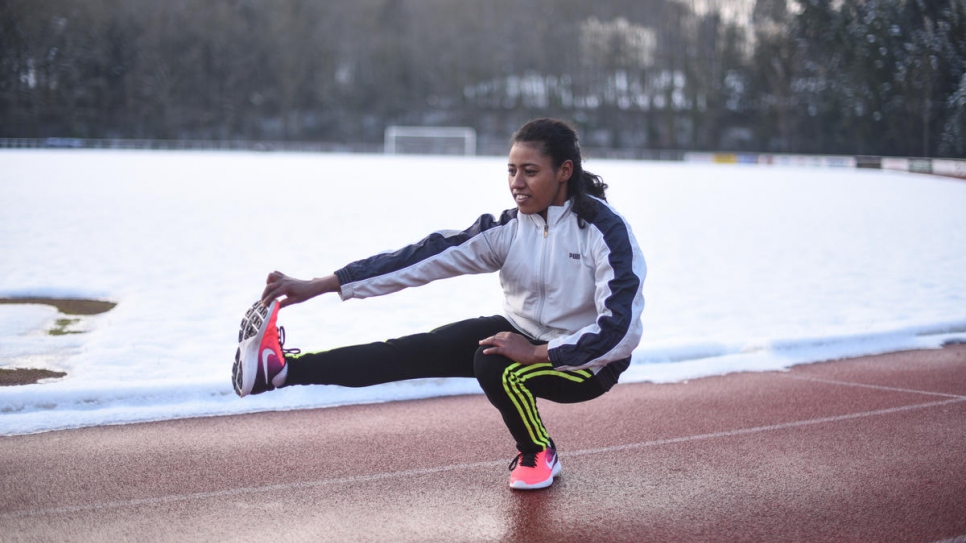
(454,351)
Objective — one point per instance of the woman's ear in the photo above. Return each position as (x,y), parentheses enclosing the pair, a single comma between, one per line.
(565,171)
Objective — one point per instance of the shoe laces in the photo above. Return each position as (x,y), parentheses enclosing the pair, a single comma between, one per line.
(527,460)
(281,342)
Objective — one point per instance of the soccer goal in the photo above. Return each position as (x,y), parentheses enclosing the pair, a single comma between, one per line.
(431,140)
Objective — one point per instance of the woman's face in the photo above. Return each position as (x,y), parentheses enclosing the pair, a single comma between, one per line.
(534,184)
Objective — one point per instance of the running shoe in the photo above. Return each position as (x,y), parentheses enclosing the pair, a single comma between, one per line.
(529,471)
(260,358)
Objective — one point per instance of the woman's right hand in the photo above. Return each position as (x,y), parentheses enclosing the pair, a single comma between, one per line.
(294,290)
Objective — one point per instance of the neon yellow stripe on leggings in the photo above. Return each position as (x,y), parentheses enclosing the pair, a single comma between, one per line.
(514,377)
(527,411)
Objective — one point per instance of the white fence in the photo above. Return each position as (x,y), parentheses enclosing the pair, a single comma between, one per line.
(190,145)
(936,166)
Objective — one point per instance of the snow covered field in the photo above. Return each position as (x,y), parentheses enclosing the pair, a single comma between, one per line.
(751,268)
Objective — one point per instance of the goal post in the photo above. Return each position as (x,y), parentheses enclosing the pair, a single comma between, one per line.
(430,140)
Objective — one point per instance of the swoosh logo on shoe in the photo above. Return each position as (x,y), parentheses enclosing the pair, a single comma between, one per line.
(550,459)
(550,462)
(265,354)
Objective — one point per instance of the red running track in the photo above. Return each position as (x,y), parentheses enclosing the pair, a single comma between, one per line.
(870,449)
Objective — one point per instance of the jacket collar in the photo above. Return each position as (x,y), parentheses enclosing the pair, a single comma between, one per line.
(555,214)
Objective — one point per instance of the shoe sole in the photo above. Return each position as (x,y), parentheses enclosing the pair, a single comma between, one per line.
(250,334)
(520,485)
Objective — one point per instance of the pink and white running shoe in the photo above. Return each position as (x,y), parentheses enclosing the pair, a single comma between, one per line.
(260,358)
(530,471)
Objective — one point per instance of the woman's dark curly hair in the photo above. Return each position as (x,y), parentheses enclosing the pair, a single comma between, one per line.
(558,140)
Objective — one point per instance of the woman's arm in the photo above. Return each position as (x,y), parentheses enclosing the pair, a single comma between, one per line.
(481,248)
(437,256)
(619,300)
(516,347)
(296,290)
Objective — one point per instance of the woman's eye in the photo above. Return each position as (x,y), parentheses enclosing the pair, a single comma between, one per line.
(530,172)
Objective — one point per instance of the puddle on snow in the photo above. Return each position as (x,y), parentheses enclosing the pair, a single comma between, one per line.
(70,321)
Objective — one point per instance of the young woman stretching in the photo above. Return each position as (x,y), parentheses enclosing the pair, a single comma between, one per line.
(571,273)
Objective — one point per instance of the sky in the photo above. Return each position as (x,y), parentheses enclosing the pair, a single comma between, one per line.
(750,268)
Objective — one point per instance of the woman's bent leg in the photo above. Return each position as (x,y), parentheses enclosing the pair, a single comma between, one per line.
(444,352)
(513,389)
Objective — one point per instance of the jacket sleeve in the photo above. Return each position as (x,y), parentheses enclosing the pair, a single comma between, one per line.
(478,249)
(619,276)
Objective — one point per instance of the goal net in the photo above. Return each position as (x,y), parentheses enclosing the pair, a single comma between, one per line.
(431,140)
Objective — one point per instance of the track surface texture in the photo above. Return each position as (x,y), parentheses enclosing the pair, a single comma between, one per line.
(868,449)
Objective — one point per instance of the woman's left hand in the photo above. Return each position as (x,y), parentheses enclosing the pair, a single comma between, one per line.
(515,347)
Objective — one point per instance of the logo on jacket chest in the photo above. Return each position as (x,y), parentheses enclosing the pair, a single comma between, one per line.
(574,256)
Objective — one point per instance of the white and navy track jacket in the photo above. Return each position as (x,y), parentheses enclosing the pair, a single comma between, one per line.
(577,288)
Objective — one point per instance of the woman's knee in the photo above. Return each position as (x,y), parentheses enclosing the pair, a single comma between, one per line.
(489,369)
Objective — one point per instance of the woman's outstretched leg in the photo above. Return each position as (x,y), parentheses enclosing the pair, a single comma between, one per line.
(444,352)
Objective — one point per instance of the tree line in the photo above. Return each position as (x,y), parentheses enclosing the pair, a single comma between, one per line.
(877,77)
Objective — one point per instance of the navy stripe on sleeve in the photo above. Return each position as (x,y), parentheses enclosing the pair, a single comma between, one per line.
(428,247)
(624,288)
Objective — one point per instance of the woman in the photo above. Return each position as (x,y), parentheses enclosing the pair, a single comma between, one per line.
(571,273)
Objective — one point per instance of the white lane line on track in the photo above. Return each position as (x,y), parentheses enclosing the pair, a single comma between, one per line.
(768,428)
(174,498)
(874,387)
(358,479)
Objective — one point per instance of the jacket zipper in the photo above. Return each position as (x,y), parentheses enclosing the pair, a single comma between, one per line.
(543,271)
